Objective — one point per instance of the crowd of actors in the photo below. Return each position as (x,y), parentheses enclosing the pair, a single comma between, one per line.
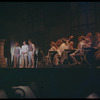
(60,45)
(26,53)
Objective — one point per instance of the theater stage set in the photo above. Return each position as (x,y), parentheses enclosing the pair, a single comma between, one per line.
(63,81)
(44,22)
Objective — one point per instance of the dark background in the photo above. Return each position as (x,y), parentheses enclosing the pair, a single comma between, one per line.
(44,22)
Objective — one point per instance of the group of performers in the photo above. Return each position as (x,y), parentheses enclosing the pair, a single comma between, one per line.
(62,47)
(24,52)
(63,44)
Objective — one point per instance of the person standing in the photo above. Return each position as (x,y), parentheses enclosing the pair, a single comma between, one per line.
(31,50)
(24,51)
(16,55)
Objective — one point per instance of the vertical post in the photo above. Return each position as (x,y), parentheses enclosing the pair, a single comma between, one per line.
(2,58)
(2,48)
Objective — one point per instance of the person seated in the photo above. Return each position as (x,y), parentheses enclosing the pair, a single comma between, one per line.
(58,43)
(71,44)
(62,44)
(65,54)
(97,53)
(61,49)
(53,46)
(82,43)
(68,40)
(89,37)
(98,43)
(97,34)
(49,56)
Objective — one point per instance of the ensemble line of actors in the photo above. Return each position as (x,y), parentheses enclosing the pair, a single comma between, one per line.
(26,53)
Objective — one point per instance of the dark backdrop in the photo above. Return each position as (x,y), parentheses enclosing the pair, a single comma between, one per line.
(44,22)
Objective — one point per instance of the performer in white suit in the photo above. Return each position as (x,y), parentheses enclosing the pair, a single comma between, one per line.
(24,50)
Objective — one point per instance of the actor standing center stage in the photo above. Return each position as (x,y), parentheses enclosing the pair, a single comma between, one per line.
(24,50)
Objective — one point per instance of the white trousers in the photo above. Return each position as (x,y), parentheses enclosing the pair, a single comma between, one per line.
(24,58)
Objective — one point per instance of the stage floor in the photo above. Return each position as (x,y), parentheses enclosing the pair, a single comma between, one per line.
(77,81)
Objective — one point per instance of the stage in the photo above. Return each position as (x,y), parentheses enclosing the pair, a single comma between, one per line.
(54,82)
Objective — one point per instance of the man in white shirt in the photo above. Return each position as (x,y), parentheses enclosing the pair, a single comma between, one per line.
(24,50)
(31,50)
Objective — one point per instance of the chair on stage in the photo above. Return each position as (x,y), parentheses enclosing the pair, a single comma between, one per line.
(49,57)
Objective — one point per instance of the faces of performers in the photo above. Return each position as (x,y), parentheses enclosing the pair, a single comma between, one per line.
(58,42)
(79,38)
(71,43)
(53,44)
(24,42)
(16,44)
(29,41)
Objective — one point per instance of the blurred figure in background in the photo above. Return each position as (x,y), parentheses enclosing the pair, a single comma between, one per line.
(49,57)
(89,37)
(71,44)
(97,36)
(53,46)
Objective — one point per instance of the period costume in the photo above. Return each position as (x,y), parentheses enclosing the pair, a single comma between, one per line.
(24,50)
